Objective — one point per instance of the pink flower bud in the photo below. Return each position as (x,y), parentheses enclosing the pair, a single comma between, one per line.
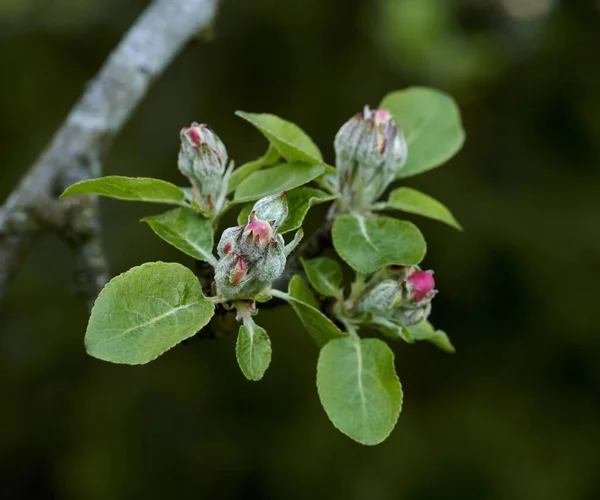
(239,271)
(421,285)
(260,231)
(370,151)
(383,146)
(203,160)
(198,135)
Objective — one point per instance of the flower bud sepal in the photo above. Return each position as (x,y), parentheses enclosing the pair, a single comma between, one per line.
(291,246)
(392,329)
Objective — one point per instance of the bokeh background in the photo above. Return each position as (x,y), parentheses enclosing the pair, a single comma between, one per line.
(514,414)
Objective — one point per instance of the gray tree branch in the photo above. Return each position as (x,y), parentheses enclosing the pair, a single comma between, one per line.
(76,151)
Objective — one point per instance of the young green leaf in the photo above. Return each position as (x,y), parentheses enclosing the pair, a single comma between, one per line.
(359,388)
(130,188)
(432,127)
(291,246)
(324,274)
(370,244)
(299,202)
(275,180)
(186,231)
(319,326)
(425,331)
(289,139)
(146,311)
(253,350)
(414,202)
(299,289)
(243,171)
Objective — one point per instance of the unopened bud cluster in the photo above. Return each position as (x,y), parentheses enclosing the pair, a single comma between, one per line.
(203,160)
(404,296)
(252,256)
(370,151)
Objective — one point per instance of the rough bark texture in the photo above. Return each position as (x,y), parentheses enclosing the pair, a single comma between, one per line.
(76,151)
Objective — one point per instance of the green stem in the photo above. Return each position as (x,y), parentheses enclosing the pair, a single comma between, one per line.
(357,288)
(350,328)
(216,300)
(245,310)
(281,295)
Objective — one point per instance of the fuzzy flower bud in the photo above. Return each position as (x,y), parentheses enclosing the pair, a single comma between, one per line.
(271,208)
(252,256)
(385,297)
(272,263)
(238,277)
(229,240)
(203,160)
(370,150)
(346,144)
(412,316)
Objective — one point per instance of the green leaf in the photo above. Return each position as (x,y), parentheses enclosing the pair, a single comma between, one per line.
(319,326)
(289,139)
(414,202)
(186,231)
(144,312)
(324,274)
(425,331)
(291,246)
(253,350)
(432,127)
(299,202)
(130,188)
(299,289)
(370,244)
(359,388)
(275,180)
(242,218)
(243,171)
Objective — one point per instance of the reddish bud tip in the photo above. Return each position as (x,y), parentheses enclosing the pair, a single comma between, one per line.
(260,230)
(239,271)
(381,116)
(227,247)
(193,133)
(422,283)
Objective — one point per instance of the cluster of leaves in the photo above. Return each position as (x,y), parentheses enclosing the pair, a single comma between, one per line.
(149,309)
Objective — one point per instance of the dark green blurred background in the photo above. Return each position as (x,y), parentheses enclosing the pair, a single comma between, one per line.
(514,414)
